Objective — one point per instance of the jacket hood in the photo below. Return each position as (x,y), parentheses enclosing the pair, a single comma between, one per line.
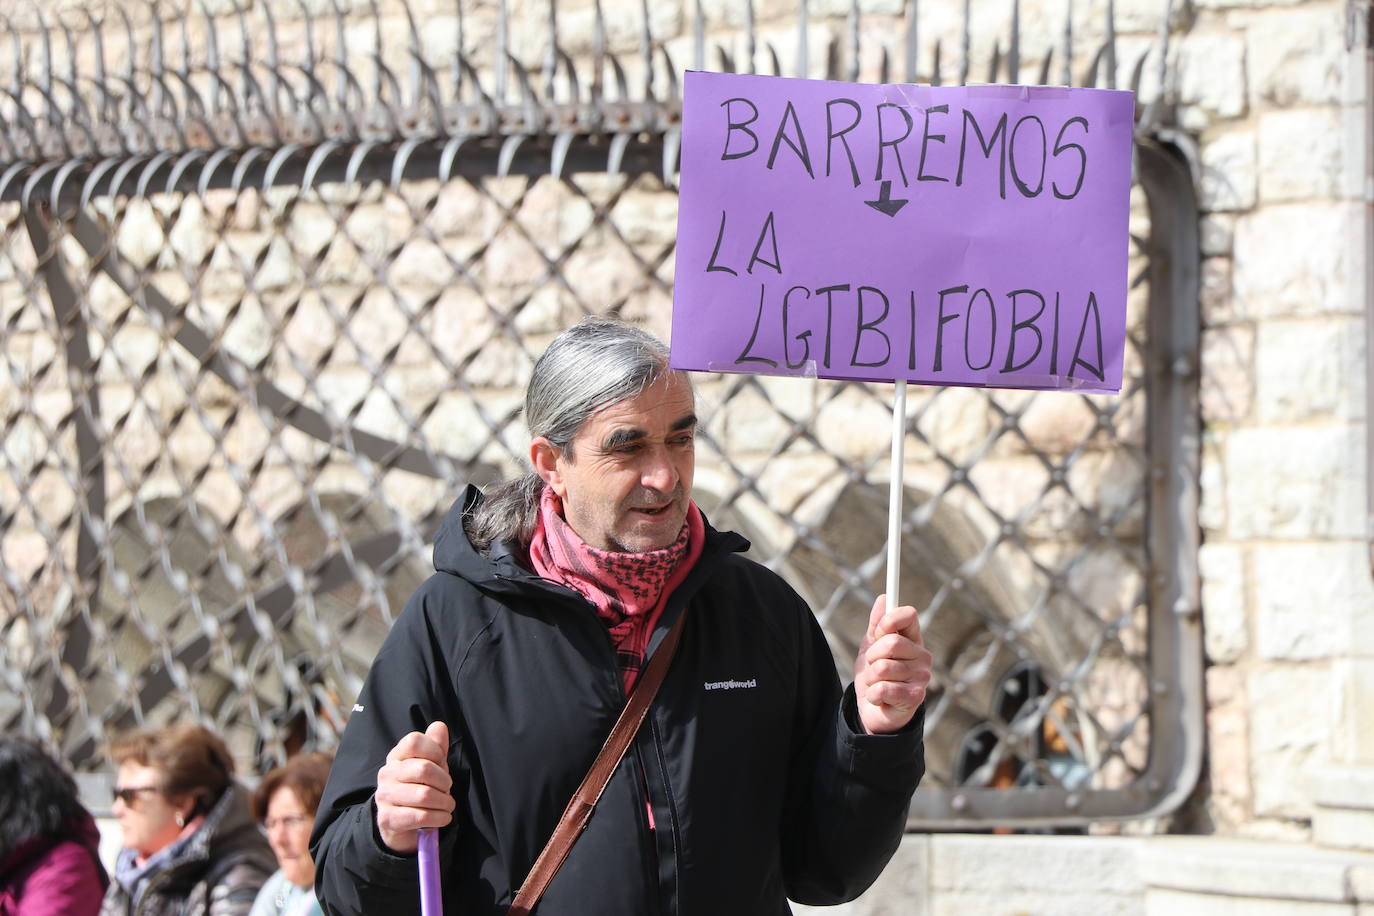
(455,554)
(503,569)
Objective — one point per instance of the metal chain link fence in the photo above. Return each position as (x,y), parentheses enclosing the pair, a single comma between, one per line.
(258,333)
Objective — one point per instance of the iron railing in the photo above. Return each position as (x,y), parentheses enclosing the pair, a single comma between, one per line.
(270,287)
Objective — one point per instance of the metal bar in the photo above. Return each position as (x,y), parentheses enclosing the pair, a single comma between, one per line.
(277,602)
(89,448)
(202,346)
(1175,440)
(585,155)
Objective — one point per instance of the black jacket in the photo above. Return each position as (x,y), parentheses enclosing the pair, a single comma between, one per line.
(760,788)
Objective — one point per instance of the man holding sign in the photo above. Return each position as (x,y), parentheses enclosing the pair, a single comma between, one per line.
(753,778)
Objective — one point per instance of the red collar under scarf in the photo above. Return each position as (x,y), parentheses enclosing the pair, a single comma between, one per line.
(628,590)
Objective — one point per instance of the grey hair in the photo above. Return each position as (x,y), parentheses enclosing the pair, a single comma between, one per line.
(592,365)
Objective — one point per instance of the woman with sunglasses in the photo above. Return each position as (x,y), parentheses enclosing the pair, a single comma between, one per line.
(190,844)
(285,803)
(49,859)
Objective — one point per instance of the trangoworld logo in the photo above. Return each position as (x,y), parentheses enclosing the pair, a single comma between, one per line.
(731,685)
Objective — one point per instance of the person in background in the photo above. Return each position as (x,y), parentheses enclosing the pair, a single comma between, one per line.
(190,844)
(285,803)
(49,858)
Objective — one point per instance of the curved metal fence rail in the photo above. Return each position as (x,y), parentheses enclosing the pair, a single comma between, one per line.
(271,281)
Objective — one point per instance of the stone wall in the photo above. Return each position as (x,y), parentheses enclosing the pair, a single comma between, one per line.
(1277,107)
(950,875)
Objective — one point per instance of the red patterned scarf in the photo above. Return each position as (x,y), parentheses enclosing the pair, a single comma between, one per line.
(628,590)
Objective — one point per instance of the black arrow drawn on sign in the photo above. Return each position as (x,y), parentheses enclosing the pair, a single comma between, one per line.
(885,203)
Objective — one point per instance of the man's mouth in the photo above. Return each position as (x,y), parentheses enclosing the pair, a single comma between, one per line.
(653,510)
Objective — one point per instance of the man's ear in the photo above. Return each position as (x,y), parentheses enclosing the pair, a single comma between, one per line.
(548,463)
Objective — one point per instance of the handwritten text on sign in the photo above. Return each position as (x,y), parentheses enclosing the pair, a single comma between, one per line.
(953,236)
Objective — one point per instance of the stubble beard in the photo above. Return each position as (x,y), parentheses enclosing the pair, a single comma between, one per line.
(679,500)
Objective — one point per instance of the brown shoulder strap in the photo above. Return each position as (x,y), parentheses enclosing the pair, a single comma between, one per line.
(579,810)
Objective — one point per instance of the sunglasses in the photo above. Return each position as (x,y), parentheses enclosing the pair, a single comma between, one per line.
(129,794)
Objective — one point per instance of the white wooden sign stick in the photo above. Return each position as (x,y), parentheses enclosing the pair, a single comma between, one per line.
(894,500)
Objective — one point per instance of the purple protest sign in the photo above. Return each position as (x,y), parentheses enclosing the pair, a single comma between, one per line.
(942,235)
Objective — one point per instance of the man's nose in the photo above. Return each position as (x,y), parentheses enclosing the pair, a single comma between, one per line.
(659,472)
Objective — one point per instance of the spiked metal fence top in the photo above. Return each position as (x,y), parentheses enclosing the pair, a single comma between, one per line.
(183,83)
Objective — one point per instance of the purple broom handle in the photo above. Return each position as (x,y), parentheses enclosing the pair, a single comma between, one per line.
(431,897)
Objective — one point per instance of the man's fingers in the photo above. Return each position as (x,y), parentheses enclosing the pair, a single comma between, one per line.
(914,671)
(892,672)
(875,616)
(424,745)
(414,788)
(416,771)
(899,696)
(412,745)
(891,669)
(398,826)
(416,774)
(903,619)
(413,796)
(895,645)
(438,733)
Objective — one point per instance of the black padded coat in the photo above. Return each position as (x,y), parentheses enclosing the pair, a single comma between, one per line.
(760,787)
